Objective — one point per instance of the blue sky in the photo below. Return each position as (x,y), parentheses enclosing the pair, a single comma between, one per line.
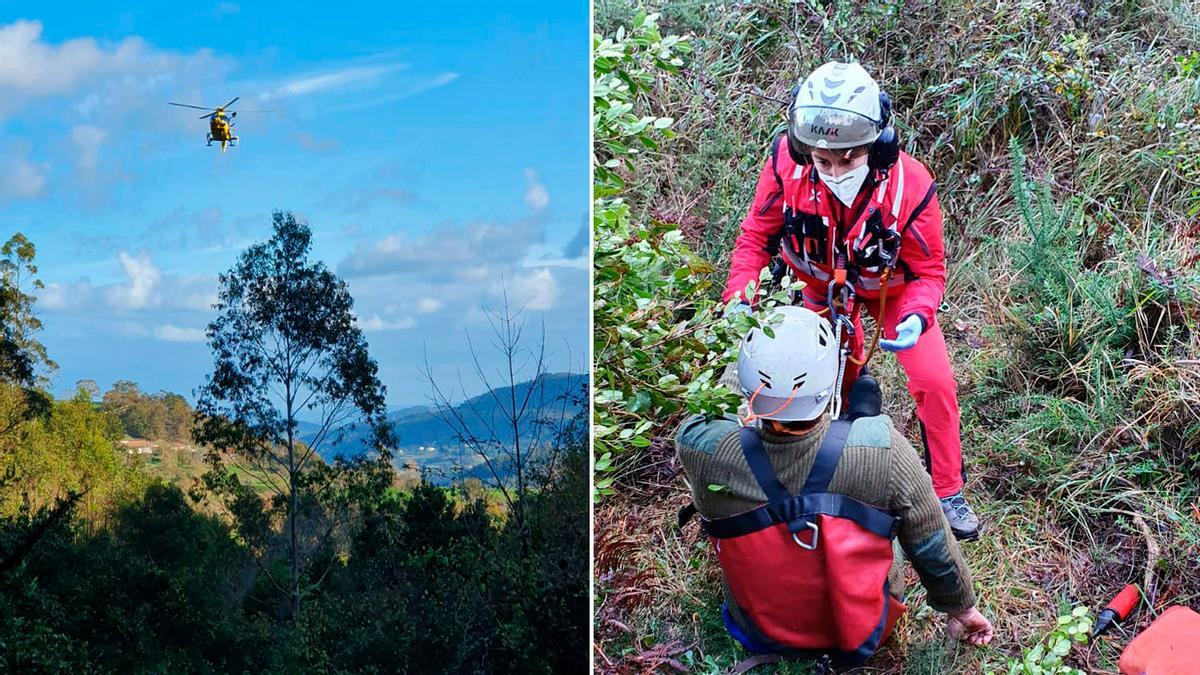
(437,150)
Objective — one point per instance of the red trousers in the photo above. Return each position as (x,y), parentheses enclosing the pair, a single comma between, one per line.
(930,381)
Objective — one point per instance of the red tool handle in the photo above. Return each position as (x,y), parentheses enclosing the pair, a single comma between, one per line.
(1125,601)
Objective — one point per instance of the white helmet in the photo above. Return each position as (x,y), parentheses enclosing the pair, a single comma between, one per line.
(789,377)
(835,107)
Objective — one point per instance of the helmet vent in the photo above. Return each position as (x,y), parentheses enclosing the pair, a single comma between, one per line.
(798,381)
(821,339)
(764,378)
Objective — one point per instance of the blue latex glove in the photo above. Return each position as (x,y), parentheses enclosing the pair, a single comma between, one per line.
(907,333)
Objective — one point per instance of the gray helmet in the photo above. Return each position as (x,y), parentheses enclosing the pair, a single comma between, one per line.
(790,376)
(836,107)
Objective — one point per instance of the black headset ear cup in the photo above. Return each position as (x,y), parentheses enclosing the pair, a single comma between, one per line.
(885,150)
(798,156)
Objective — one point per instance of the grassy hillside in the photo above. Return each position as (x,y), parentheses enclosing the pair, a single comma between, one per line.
(1063,138)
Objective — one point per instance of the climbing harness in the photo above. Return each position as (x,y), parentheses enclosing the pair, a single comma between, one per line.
(840,298)
(807,572)
(876,247)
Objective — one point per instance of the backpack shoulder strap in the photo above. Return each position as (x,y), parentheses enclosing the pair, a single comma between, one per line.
(760,465)
(779,139)
(828,457)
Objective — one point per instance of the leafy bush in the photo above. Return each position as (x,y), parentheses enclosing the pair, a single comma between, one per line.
(1046,658)
(660,334)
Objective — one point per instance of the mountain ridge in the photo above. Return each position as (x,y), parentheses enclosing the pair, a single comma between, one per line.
(426,440)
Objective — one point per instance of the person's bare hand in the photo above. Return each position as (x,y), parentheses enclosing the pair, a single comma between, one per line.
(971,626)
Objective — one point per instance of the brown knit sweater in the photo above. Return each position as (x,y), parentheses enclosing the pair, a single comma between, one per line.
(878,467)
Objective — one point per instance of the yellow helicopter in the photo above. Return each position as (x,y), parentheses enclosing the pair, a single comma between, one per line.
(220,125)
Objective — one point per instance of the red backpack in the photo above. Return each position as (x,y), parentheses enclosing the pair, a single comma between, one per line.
(809,572)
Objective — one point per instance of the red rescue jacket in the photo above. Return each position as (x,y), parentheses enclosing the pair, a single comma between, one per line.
(796,215)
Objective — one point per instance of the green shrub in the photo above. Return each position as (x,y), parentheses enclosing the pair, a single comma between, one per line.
(1046,657)
(661,342)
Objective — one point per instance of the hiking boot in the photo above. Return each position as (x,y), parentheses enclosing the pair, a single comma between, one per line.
(963,521)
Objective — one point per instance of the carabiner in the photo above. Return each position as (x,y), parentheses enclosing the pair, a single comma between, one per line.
(815,536)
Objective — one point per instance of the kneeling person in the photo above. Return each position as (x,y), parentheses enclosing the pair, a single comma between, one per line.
(802,510)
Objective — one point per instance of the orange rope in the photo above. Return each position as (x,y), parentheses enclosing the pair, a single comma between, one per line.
(753,416)
(883,282)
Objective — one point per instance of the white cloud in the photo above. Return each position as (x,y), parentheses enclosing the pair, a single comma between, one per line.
(173,333)
(451,249)
(453,270)
(57,296)
(198,293)
(432,83)
(87,140)
(30,65)
(429,305)
(110,79)
(146,287)
(98,167)
(374,323)
(580,263)
(21,178)
(535,193)
(142,280)
(90,88)
(536,292)
(312,83)
(403,92)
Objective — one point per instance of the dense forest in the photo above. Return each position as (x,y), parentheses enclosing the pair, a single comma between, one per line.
(1062,137)
(165,415)
(270,558)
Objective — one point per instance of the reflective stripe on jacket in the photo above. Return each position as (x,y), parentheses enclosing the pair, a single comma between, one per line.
(792,202)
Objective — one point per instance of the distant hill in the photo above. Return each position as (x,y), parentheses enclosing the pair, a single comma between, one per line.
(307,429)
(424,438)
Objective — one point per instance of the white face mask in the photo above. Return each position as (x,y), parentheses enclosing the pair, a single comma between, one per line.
(847,185)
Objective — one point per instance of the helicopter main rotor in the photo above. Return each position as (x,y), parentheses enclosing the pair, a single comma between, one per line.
(215,110)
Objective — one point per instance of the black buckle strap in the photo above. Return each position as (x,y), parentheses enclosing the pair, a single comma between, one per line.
(818,478)
(760,465)
(827,459)
(800,510)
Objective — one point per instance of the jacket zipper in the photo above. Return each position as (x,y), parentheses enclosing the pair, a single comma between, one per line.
(770,202)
